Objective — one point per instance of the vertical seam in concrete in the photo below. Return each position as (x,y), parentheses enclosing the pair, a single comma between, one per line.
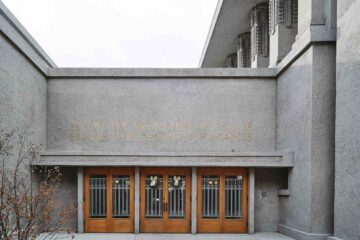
(80,188)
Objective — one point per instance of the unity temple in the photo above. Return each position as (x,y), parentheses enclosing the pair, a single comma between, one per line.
(262,137)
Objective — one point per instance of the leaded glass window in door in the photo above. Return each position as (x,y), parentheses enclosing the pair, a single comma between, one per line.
(210,196)
(98,196)
(121,196)
(176,196)
(233,196)
(154,196)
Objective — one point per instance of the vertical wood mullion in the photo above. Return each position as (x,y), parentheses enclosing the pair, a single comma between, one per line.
(222,202)
(109,200)
(165,196)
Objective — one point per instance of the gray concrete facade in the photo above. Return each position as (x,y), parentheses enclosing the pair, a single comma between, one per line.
(80,198)
(295,126)
(306,125)
(347,165)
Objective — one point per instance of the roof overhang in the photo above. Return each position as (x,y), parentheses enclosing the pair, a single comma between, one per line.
(230,19)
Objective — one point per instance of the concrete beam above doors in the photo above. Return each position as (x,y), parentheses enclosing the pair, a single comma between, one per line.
(253,159)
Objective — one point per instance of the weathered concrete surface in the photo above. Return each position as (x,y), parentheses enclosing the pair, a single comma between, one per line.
(67,194)
(110,236)
(306,93)
(23,91)
(347,177)
(160,115)
(22,84)
(294,132)
(169,73)
(267,183)
(176,159)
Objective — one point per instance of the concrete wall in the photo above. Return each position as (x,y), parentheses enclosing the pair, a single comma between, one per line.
(267,211)
(294,132)
(347,178)
(154,115)
(305,124)
(22,80)
(67,193)
(23,90)
(316,12)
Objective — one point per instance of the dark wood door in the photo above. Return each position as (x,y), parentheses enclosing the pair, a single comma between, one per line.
(222,200)
(165,200)
(109,199)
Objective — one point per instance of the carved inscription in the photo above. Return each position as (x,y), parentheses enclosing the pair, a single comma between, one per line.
(147,132)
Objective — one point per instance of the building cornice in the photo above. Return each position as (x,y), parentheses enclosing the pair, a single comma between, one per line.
(172,73)
(17,35)
(211,30)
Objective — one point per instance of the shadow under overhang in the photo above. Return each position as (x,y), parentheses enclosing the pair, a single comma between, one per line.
(230,19)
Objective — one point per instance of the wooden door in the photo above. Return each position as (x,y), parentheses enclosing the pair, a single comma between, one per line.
(109,199)
(222,200)
(165,200)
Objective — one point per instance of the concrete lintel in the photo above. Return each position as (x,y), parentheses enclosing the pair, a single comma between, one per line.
(274,159)
(150,73)
(298,234)
(80,194)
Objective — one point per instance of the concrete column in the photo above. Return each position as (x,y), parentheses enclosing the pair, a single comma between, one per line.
(283,28)
(251,203)
(244,50)
(80,194)
(193,200)
(259,29)
(137,201)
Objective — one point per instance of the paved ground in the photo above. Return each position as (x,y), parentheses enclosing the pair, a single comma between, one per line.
(114,236)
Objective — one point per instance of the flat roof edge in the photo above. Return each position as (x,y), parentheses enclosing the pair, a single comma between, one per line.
(162,73)
(210,32)
(20,31)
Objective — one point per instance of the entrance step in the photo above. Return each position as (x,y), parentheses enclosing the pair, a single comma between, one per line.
(124,236)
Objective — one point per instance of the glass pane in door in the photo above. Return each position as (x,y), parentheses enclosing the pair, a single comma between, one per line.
(154,196)
(176,196)
(120,196)
(98,196)
(210,196)
(233,196)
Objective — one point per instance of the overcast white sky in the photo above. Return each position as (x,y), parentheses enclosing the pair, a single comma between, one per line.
(118,33)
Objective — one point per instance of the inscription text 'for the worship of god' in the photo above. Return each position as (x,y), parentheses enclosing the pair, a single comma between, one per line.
(159,132)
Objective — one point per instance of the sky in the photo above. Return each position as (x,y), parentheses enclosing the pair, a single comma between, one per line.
(118,33)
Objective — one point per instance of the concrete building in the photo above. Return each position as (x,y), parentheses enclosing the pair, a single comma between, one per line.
(263,136)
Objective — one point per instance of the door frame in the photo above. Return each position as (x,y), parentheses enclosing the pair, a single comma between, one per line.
(221,224)
(166,224)
(108,224)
